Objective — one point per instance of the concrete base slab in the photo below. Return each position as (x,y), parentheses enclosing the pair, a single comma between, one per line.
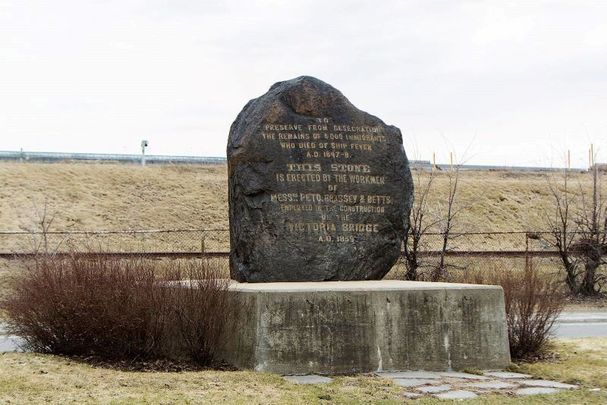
(506,374)
(536,391)
(344,327)
(411,382)
(465,376)
(459,394)
(409,374)
(307,379)
(491,385)
(547,384)
(434,389)
(459,386)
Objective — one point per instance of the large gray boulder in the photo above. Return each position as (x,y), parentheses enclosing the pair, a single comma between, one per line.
(318,189)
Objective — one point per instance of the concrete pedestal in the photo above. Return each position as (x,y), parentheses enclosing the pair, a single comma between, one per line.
(345,327)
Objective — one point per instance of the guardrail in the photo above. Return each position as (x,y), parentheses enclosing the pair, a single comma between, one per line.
(23,156)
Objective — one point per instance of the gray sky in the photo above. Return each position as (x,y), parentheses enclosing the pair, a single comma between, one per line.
(496,82)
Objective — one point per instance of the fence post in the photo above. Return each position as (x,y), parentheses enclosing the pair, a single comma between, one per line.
(528,258)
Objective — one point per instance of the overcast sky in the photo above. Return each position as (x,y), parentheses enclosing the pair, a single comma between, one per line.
(514,83)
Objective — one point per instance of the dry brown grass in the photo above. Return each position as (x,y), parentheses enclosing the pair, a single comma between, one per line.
(88,196)
(27,378)
(114,196)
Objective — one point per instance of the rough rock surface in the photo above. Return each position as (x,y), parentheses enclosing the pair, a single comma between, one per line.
(318,189)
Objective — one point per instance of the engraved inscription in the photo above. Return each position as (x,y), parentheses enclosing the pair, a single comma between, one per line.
(332,166)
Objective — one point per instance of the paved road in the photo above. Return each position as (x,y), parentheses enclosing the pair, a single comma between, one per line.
(581,324)
(7,343)
(569,325)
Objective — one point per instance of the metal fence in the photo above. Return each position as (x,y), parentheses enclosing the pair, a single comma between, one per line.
(484,251)
(184,242)
(50,157)
(155,242)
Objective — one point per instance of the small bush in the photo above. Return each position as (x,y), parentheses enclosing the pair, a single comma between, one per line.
(533,302)
(202,313)
(119,309)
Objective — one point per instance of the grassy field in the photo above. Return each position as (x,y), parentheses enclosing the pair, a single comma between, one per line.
(88,196)
(114,196)
(35,378)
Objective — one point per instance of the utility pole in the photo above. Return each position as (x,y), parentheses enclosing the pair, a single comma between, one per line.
(144,144)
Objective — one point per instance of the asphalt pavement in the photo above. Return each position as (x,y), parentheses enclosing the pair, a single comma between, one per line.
(581,324)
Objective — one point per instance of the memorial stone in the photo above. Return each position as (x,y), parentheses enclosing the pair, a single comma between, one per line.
(318,189)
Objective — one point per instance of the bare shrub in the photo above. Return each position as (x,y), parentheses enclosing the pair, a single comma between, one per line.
(202,310)
(432,215)
(533,301)
(448,211)
(118,309)
(578,231)
(72,305)
(419,225)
